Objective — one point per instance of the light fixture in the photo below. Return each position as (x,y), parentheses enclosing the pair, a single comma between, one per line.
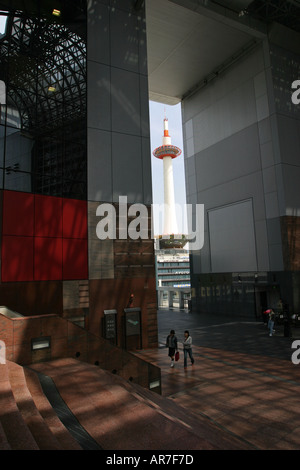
(56,12)
(154,384)
(40,343)
(51,88)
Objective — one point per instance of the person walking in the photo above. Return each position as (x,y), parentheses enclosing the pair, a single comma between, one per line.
(187,348)
(271,322)
(171,343)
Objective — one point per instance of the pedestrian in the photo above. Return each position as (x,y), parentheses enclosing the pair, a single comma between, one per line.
(271,322)
(171,343)
(187,348)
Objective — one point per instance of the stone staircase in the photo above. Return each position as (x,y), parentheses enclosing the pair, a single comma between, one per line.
(27,420)
(110,413)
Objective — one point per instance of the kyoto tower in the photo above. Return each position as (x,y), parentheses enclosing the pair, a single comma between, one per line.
(167,152)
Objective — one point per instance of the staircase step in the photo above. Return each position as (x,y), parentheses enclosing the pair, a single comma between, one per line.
(50,417)
(4,444)
(44,438)
(13,425)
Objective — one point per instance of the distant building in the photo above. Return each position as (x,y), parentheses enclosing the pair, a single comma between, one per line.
(172,277)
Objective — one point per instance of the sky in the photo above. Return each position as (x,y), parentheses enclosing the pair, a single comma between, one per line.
(158,112)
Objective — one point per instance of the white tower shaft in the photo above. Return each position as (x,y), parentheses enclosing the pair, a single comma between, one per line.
(170,223)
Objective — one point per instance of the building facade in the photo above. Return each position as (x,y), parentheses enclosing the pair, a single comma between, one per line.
(173,281)
(242,162)
(234,67)
(74,134)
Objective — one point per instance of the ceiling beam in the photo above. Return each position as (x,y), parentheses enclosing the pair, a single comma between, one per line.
(230,17)
(217,72)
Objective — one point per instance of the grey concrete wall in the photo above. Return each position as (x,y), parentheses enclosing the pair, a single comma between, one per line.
(285,66)
(119,160)
(241,144)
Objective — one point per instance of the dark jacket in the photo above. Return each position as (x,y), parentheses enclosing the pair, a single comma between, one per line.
(171,342)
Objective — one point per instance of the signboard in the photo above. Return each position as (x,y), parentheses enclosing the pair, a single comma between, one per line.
(110,324)
(132,321)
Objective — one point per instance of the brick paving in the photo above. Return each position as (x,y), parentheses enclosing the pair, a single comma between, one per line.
(243,381)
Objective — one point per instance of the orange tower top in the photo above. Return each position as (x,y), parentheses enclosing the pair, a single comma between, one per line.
(166,149)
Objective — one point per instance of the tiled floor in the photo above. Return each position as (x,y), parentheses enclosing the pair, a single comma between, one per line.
(241,393)
(253,395)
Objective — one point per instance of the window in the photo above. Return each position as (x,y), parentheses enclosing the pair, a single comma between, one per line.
(43,142)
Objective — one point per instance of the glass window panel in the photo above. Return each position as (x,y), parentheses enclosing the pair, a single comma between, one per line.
(43,100)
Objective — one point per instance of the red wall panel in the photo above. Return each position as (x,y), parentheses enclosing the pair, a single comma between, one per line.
(74,218)
(18,213)
(47,259)
(48,216)
(75,264)
(17,258)
(48,238)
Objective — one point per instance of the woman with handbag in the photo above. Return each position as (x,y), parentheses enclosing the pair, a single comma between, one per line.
(187,348)
(171,343)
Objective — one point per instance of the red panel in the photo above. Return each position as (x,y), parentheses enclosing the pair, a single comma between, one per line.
(75,264)
(47,259)
(74,218)
(18,213)
(48,216)
(36,250)
(17,259)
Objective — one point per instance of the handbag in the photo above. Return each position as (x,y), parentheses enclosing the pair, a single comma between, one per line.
(177,356)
